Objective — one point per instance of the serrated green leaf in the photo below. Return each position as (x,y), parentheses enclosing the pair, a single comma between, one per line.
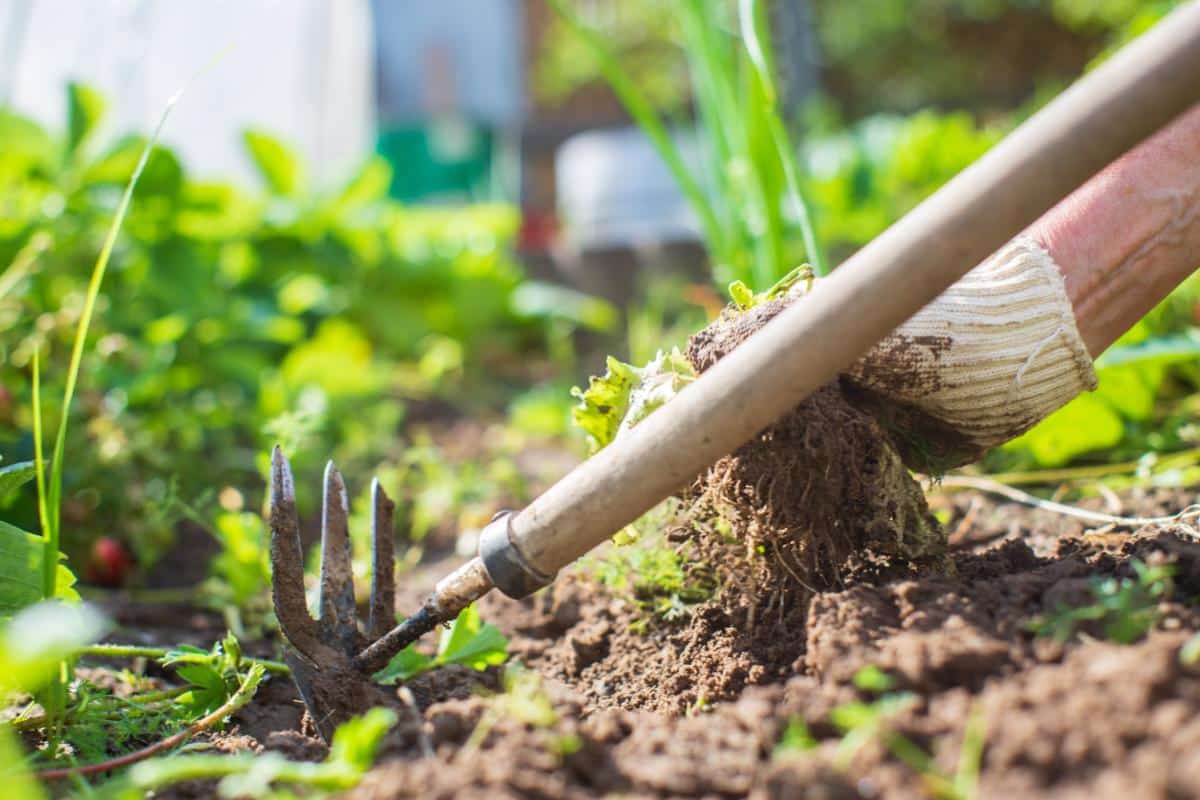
(625,395)
(603,404)
(16,475)
(21,570)
(85,109)
(277,164)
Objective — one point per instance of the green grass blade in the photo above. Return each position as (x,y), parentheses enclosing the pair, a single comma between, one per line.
(642,111)
(51,495)
(750,19)
(50,551)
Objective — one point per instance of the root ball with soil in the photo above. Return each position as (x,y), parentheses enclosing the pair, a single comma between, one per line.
(819,490)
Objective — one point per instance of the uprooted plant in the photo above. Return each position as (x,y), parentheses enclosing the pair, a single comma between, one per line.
(790,511)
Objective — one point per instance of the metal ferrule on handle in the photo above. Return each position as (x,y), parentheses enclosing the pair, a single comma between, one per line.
(1107,112)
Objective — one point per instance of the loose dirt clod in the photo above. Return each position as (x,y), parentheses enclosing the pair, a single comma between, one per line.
(820,488)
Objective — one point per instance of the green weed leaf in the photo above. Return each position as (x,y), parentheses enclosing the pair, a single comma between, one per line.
(472,642)
(21,570)
(796,738)
(356,742)
(276,163)
(469,641)
(16,475)
(368,186)
(404,665)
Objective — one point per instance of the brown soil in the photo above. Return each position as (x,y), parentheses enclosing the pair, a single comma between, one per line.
(696,708)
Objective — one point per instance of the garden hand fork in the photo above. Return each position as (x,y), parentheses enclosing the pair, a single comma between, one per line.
(331,659)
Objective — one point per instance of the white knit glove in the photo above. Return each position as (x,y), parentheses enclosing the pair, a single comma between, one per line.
(987,360)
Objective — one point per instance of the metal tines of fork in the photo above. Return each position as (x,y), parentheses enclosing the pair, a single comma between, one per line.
(323,651)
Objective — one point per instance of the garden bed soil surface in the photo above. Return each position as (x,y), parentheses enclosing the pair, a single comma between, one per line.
(696,708)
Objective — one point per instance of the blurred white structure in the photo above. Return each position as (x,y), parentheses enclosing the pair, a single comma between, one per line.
(302,70)
(614,190)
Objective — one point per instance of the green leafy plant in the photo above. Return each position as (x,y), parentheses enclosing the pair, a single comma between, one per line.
(213,675)
(355,744)
(746,298)
(625,395)
(468,641)
(796,739)
(223,310)
(655,576)
(524,699)
(1123,609)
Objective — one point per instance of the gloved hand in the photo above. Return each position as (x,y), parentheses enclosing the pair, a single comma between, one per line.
(987,360)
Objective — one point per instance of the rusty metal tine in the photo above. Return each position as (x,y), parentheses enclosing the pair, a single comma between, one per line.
(287,561)
(337,612)
(383,563)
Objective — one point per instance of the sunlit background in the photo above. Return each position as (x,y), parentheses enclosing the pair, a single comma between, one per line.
(397,232)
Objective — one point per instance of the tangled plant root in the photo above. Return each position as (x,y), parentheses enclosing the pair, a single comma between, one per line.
(787,513)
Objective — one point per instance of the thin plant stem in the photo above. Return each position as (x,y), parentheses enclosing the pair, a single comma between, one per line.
(239,699)
(48,586)
(138,651)
(1025,498)
(1181,458)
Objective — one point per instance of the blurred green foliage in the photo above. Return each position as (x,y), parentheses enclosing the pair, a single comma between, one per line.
(230,319)
(873,55)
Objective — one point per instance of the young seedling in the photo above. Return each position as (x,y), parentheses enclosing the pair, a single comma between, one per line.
(1124,609)
(863,723)
(469,641)
(652,574)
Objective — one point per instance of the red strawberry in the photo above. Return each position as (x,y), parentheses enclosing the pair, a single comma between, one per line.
(110,563)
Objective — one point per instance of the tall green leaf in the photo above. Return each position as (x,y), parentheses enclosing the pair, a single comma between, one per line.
(50,491)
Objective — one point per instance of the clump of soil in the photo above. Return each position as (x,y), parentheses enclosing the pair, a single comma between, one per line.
(818,491)
(1082,718)
(614,656)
